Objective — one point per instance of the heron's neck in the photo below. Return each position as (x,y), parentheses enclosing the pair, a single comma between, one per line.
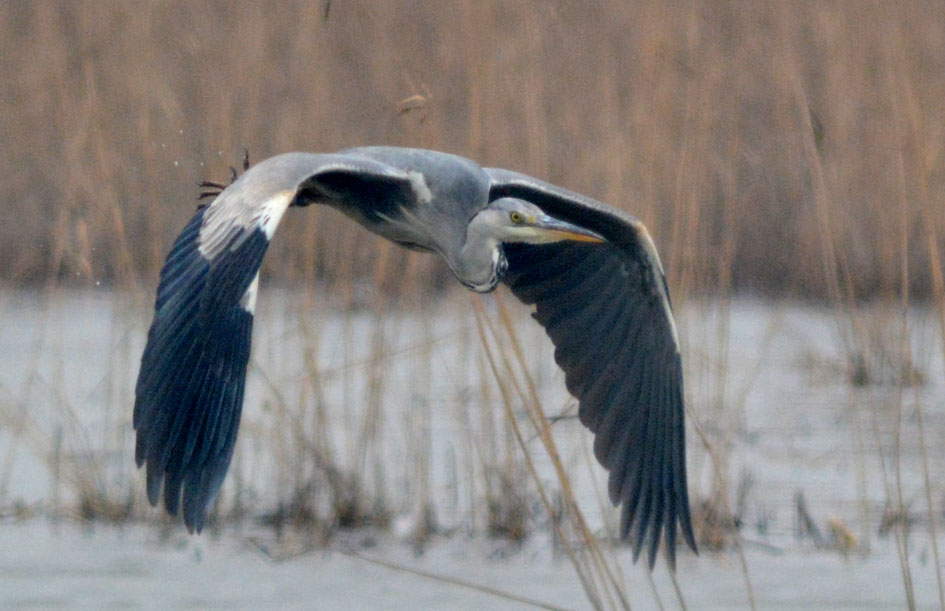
(480,258)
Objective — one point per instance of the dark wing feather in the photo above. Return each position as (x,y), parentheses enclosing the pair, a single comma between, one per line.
(189,393)
(606,309)
(190,386)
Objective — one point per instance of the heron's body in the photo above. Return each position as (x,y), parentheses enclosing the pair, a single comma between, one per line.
(591,271)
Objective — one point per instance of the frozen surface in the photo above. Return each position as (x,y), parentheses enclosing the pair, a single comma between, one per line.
(406,402)
(43,567)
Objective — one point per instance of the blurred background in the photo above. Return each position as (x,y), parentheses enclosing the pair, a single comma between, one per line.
(787,157)
(780,148)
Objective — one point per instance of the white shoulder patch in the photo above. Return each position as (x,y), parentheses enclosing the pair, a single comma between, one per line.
(248,300)
(230,214)
(419,185)
(271,211)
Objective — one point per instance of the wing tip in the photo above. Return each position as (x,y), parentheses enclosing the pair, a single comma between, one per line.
(658,532)
(188,406)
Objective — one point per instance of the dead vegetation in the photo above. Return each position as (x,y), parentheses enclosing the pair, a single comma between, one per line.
(738,134)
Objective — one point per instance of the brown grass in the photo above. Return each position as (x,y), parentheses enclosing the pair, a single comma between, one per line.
(696,117)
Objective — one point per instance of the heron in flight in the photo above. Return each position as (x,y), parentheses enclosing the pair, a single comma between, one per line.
(591,271)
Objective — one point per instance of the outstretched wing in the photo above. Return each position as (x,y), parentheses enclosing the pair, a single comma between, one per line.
(189,393)
(606,308)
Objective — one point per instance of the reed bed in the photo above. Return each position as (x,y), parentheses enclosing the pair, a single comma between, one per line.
(779,148)
(789,151)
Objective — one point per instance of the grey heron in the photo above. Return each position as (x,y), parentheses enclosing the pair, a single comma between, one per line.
(591,271)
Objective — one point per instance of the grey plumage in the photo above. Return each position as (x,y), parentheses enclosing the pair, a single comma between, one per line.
(591,271)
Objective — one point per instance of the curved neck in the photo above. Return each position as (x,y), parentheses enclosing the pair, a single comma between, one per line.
(480,258)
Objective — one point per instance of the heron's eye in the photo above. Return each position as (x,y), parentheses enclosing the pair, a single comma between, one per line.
(517,217)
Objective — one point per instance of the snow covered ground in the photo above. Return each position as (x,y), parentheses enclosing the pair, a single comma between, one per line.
(44,567)
(768,382)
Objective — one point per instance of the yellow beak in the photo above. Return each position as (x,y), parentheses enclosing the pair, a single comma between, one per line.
(556,231)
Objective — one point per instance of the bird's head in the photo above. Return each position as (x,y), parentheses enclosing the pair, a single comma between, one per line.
(481,263)
(516,220)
